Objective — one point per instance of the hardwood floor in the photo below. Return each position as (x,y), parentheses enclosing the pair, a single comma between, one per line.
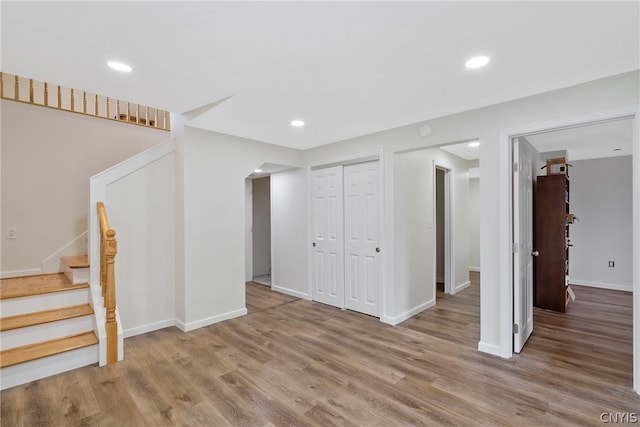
(295,362)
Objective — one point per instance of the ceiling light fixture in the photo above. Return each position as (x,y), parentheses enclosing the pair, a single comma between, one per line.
(297,123)
(474,144)
(257,170)
(477,62)
(119,66)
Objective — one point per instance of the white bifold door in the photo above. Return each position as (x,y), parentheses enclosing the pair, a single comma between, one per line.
(346,252)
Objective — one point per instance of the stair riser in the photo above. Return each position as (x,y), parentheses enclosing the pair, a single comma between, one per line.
(44,332)
(23,373)
(16,306)
(77,275)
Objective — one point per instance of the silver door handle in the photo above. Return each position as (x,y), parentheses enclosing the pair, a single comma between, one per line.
(535,253)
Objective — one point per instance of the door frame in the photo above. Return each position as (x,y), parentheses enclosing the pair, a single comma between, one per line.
(376,155)
(449,259)
(506,205)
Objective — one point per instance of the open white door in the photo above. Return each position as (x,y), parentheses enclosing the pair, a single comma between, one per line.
(524,161)
(362,266)
(328,242)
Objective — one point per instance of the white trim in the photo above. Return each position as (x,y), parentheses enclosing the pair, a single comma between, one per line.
(190,326)
(348,161)
(407,314)
(611,286)
(505,287)
(150,327)
(291,292)
(59,253)
(18,273)
(489,348)
(462,286)
(475,269)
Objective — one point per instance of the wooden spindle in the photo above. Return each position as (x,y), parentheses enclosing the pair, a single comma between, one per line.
(1,85)
(164,120)
(16,94)
(59,97)
(84,102)
(73,101)
(138,113)
(106,109)
(146,115)
(46,94)
(31,91)
(117,109)
(155,118)
(128,111)
(96,107)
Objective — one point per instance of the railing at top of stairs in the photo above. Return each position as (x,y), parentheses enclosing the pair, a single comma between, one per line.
(30,91)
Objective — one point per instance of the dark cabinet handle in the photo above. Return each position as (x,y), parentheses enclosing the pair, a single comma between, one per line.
(313,244)
(377,249)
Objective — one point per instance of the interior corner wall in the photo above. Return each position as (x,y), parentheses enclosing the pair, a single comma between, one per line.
(215,168)
(141,208)
(601,198)
(261,225)
(414,225)
(289,233)
(48,156)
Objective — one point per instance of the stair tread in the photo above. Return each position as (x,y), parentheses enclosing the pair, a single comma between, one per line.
(35,285)
(79,261)
(31,352)
(45,316)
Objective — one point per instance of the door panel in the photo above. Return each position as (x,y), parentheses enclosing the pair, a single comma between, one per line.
(328,240)
(526,157)
(362,283)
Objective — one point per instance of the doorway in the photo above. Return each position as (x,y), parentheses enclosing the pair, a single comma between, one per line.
(443,221)
(261,230)
(579,123)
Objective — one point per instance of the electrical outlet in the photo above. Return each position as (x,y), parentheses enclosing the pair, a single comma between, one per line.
(612,264)
(12,232)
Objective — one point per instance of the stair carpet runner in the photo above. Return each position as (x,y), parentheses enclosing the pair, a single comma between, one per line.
(45,316)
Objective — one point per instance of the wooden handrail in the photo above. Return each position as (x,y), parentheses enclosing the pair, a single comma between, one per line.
(108,250)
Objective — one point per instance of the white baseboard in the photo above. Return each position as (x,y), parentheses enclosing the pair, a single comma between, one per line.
(407,314)
(489,348)
(190,326)
(461,286)
(139,330)
(612,286)
(19,273)
(291,292)
(475,269)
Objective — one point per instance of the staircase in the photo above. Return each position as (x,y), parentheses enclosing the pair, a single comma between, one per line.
(47,325)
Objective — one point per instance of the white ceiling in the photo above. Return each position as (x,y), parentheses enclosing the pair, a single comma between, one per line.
(346,68)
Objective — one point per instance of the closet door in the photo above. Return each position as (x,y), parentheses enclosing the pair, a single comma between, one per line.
(328,238)
(362,258)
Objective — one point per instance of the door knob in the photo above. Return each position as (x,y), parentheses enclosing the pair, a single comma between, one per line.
(377,249)
(535,253)
(313,244)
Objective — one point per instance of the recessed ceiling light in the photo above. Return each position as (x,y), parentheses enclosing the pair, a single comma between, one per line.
(119,66)
(257,170)
(474,144)
(477,62)
(297,123)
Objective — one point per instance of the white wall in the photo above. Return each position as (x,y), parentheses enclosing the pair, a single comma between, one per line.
(485,124)
(141,208)
(474,224)
(601,198)
(261,225)
(215,167)
(414,285)
(289,232)
(47,158)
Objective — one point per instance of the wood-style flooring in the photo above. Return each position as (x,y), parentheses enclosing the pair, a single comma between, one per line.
(296,362)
